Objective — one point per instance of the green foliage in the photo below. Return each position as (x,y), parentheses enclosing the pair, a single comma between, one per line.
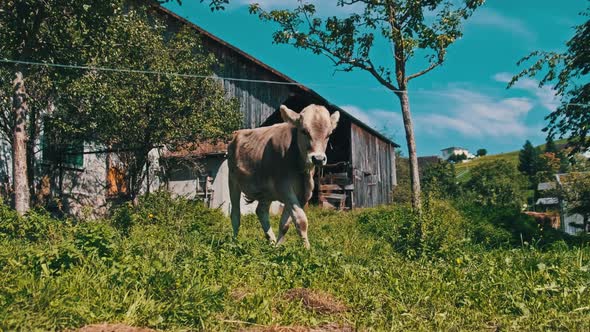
(528,160)
(439,231)
(550,145)
(136,112)
(440,179)
(213,4)
(129,112)
(96,238)
(160,208)
(496,184)
(163,272)
(456,158)
(481,152)
(503,228)
(37,226)
(569,72)
(402,193)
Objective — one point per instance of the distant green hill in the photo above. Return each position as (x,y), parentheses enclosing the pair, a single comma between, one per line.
(463,169)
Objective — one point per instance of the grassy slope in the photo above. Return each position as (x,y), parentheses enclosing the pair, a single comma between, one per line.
(511,157)
(193,276)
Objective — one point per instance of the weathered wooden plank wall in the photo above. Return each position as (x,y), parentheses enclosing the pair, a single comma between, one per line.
(373,168)
(257,100)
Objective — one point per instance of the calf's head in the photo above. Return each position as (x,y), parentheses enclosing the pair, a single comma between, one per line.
(314,125)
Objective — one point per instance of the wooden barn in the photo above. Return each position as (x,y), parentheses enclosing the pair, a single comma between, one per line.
(361,161)
(361,170)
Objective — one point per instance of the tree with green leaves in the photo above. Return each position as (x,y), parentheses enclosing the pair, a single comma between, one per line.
(125,112)
(132,113)
(528,160)
(457,158)
(440,179)
(569,72)
(550,145)
(350,42)
(31,30)
(213,4)
(497,184)
(481,152)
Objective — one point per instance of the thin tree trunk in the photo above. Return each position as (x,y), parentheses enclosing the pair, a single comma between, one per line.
(19,147)
(31,139)
(411,142)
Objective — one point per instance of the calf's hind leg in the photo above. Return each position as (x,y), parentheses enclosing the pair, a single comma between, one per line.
(235,195)
(262,211)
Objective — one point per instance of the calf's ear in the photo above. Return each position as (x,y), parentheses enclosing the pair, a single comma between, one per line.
(289,115)
(334,119)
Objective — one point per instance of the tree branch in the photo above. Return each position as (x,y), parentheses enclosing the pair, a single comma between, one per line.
(420,73)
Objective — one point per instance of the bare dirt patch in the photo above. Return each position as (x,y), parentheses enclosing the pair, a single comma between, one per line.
(317,301)
(113,328)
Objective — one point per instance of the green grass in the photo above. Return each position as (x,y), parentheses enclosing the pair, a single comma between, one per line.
(173,266)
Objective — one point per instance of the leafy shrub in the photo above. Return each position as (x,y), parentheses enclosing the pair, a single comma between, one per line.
(440,179)
(53,259)
(95,238)
(443,228)
(499,227)
(490,235)
(162,209)
(440,229)
(496,184)
(35,226)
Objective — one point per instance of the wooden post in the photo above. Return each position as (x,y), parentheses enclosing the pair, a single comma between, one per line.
(19,149)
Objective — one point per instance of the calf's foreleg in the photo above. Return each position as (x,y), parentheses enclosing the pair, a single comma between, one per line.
(284,225)
(262,211)
(300,218)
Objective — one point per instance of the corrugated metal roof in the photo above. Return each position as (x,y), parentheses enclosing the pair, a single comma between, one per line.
(547,201)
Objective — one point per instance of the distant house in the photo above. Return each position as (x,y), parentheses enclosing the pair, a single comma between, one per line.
(455,151)
(546,200)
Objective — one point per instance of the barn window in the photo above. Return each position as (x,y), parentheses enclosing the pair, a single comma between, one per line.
(56,151)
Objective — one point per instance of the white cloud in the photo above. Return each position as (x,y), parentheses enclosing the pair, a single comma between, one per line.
(545,95)
(477,115)
(388,122)
(454,111)
(491,18)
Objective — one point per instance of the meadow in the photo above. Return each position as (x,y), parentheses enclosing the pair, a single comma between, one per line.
(173,265)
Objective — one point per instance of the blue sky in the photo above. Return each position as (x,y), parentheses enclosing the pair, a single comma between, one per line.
(463,103)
